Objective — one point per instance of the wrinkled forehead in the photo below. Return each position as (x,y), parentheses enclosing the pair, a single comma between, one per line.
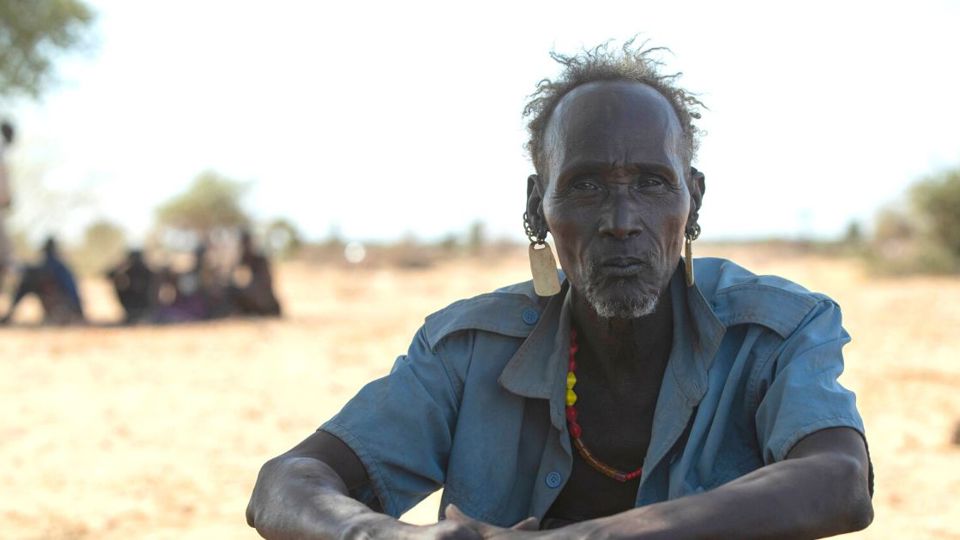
(615,121)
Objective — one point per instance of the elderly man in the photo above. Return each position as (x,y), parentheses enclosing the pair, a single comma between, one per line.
(648,396)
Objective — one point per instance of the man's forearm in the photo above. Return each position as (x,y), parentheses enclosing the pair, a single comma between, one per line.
(809,497)
(303,498)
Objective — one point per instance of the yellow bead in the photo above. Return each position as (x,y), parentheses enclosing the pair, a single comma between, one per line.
(571,380)
(571,398)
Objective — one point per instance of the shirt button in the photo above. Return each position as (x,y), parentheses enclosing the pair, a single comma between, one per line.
(530,316)
(554,480)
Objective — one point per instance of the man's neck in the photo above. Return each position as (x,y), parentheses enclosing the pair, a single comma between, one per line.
(620,345)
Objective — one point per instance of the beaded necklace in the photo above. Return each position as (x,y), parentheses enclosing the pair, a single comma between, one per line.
(575,430)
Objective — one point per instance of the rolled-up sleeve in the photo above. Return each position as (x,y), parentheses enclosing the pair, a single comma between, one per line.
(801,392)
(401,426)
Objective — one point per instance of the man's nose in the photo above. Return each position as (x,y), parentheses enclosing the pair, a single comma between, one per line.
(621,217)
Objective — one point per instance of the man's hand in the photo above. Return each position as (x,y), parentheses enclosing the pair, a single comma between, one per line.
(304,495)
(485,530)
(382,526)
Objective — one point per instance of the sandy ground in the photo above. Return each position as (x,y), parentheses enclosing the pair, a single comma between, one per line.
(159,432)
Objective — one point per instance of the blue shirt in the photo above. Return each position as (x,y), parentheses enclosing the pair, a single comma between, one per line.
(476,406)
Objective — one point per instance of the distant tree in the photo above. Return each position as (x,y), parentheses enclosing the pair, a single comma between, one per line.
(334,239)
(449,243)
(476,236)
(283,238)
(853,234)
(210,205)
(936,201)
(893,225)
(104,243)
(32,32)
(925,236)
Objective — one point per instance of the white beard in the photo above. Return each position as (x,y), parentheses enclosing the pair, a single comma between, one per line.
(621,308)
(610,306)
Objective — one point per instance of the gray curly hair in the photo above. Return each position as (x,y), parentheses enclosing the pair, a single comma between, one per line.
(602,63)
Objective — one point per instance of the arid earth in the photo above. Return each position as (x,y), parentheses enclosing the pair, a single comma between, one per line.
(111,433)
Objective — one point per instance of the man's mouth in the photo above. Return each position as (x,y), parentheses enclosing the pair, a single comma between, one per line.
(623,266)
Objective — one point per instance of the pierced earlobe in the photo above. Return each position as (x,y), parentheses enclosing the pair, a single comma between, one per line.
(543,266)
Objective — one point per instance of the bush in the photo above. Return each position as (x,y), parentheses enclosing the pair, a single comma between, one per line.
(937,203)
(925,236)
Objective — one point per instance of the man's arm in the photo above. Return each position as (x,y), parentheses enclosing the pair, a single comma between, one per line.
(304,495)
(403,424)
(821,489)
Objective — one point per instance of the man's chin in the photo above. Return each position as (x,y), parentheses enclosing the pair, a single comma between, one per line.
(622,300)
(625,308)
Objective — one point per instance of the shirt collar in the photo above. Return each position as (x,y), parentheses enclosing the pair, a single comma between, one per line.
(697,333)
(531,370)
(538,366)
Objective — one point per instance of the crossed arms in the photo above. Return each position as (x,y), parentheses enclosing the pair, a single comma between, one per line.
(821,489)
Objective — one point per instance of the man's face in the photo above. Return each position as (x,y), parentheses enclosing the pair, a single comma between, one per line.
(614,194)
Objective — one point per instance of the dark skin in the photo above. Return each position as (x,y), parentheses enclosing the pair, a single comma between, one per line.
(617,196)
(615,199)
(606,396)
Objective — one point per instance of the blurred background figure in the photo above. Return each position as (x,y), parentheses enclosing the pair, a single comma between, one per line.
(54,284)
(6,249)
(251,288)
(136,287)
(191,295)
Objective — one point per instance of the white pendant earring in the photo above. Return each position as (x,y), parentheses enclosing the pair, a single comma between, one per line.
(543,265)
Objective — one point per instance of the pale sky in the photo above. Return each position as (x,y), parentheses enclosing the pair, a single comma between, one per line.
(394,118)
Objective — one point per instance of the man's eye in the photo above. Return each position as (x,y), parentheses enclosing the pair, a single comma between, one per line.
(586,185)
(650,181)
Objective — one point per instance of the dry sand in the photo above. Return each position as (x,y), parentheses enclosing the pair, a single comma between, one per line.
(159,432)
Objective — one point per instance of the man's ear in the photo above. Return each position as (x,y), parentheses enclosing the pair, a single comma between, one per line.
(697,186)
(535,203)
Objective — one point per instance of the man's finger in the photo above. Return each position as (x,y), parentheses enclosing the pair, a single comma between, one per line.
(529,524)
(454,513)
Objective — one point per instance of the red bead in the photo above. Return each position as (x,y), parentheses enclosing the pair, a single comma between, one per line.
(576,432)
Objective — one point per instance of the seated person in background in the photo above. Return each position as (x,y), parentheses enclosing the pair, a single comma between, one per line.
(251,291)
(54,284)
(645,394)
(136,287)
(6,200)
(188,296)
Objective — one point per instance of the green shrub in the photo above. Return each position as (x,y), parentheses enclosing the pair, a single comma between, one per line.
(924,237)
